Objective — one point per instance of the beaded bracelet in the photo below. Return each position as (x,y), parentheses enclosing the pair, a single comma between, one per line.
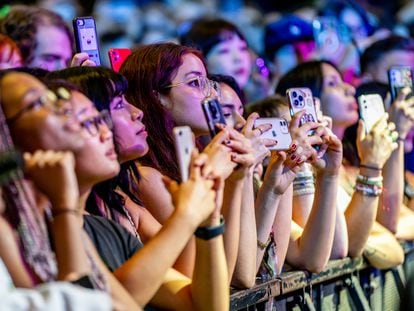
(303,191)
(370,180)
(368,190)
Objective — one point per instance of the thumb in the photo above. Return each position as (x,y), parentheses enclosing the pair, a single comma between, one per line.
(361,132)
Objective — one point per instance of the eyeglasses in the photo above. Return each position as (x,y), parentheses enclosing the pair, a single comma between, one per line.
(51,100)
(204,85)
(92,125)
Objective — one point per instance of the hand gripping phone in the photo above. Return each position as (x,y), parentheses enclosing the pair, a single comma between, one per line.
(371,109)
(399,77)
(184,146)
(86,38)
(302,99)
(278,132)
(213,114)
(117,57)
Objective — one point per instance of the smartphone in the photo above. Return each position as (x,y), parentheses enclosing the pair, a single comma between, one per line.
(399,77)
(278,132)
(86,37)
(117,57)
(371,109)
(213,114)
(302,99)
(184,146)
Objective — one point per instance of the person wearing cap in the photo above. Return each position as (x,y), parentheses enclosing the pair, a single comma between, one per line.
(288,41)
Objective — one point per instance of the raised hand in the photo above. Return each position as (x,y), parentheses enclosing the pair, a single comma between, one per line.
(330,158)
(376,147)
(196,197)
(401,112)
(259,145)
(220,155)
(54,174)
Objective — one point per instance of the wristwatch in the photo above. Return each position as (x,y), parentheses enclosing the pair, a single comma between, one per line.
(207,233)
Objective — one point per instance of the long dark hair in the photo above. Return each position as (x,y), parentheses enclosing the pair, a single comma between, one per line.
(149,71)
(101,85)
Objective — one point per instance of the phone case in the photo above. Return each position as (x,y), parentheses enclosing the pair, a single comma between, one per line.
(278,132)
(117,57)
(371,109)
(86,37)
(184,145)
(302,99)
(213,113)
(399,77)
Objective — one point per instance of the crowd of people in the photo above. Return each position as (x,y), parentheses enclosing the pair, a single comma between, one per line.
(95,213)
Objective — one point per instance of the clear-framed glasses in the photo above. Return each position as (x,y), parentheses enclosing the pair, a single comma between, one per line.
(205,86)
(93,124)
(54,101)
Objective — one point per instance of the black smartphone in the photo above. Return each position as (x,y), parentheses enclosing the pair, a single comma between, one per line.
(213,113)
(86,37)
(399,77)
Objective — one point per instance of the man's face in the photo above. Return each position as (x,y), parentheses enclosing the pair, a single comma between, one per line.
(36,126)
(53,51)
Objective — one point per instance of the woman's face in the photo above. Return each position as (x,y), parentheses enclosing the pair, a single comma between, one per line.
(32,118)
(97,160)
(232,107)
(231,57)
(129,131)
(337,98)
(185,96)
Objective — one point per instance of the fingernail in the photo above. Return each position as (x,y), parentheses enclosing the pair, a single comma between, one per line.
(293,157)
(293,147)
(227,142)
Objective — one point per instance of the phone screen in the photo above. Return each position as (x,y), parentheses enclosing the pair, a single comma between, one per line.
(399,77)
(86,37)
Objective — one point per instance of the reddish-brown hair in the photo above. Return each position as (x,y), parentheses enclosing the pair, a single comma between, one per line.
(149,70)
(7,43)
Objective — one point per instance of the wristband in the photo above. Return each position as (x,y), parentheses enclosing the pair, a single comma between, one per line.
(371,167)
(207,233)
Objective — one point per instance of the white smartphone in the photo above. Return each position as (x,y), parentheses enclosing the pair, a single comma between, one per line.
(278,132)
(302,99)
(371,109)
(184,146)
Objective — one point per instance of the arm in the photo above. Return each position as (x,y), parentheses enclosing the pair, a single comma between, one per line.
(245,271)
(402,115)
(159,205)
(194,201)
(63,194)
(374,149)
(313,248)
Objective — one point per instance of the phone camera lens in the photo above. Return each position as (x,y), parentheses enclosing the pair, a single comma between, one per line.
(80,22)
(294,94)
(301,98)
(296,102)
